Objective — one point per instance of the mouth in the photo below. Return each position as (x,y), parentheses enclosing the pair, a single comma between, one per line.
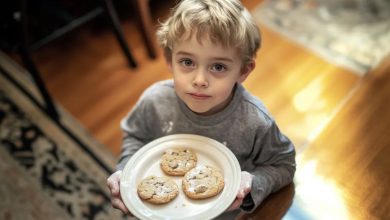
(199,96)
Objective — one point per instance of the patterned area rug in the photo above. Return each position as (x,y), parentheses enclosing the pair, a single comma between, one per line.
(354,34)
(49,169)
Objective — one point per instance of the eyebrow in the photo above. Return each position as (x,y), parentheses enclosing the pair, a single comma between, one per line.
(183,53)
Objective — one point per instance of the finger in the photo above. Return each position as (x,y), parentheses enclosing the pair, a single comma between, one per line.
(109,184)
(123,208)
(113,186)
(233,205)
(110,180)
(118,204)
(115,177)
(247,185)
(246,182)
(236,204)
(241,194)
(246,190)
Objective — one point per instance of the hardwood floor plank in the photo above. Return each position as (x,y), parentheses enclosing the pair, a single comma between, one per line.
(300,89)
(348,163)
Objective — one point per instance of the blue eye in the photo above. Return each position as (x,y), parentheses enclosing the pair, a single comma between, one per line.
(218,67)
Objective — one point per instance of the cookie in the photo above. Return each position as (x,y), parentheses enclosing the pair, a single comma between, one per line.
(178,161)
(157,190)
(202,182)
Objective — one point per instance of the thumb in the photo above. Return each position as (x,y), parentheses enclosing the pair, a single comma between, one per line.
(113,182)
(241,194)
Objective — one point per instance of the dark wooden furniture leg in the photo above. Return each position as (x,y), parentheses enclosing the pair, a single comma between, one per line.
(25,50)
(144,20)
(115,24)
(27,60)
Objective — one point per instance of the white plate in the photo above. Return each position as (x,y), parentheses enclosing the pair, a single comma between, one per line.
(146,162)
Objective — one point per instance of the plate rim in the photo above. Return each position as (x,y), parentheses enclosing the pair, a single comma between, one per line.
(234,163)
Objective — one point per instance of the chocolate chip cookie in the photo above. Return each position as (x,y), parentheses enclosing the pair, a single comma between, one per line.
(202,182)
(157,190)
(177,161)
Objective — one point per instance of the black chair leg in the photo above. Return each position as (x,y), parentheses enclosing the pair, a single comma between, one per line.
(115,24)
(27,60)
(49,105)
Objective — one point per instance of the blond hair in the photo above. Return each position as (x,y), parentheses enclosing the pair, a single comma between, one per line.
(224,21)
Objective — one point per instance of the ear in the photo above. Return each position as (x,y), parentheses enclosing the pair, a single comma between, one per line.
(246,70)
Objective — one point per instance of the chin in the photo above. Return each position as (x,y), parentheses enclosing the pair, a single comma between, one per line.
(199,111)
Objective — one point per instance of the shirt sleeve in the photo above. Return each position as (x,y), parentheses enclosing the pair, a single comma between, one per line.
(272,163)
(135,133)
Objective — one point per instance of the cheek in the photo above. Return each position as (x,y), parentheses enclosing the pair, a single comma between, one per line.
(180,83)
(223,91)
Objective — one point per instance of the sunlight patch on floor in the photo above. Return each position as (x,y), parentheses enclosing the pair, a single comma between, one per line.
(316,197)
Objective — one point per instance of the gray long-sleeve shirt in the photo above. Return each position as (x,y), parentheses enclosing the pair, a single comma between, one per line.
(244,126)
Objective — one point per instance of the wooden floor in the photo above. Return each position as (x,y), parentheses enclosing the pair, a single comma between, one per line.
(338,120)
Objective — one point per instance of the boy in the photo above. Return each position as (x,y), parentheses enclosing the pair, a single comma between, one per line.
(210,46)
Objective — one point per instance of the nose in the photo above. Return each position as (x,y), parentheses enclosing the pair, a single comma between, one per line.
(200,79)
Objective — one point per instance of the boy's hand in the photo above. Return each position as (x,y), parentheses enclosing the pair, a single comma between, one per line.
(245,188)
(113,185)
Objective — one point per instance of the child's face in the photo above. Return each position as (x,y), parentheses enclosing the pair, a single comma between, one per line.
(205,74)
